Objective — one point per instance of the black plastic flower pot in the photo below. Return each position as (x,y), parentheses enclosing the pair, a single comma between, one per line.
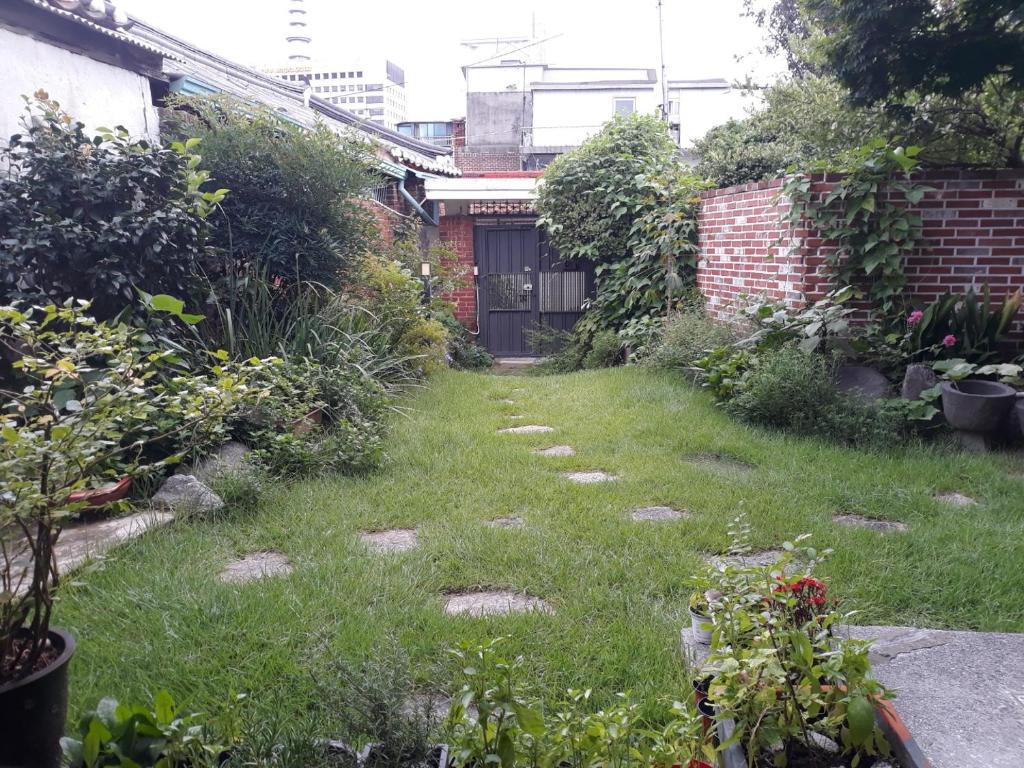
(977,406)
(1018,408)
(33,711)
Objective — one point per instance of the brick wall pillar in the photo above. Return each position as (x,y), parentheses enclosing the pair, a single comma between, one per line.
(456,232)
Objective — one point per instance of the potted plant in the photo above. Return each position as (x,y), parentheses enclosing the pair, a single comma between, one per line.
(84,396)
(700,617)
(976,406)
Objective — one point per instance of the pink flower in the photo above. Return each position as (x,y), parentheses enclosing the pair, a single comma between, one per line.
(915,317)
(949,341)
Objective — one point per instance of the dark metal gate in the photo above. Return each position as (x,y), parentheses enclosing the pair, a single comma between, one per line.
(524,284)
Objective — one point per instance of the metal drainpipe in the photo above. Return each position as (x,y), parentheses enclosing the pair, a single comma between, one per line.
(431,220)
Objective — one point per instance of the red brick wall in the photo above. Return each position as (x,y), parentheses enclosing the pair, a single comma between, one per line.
(386,219)
(457,233)
(973,233)
(474,161)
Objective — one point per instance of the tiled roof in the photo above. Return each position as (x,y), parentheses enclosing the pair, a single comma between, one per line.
(111,23)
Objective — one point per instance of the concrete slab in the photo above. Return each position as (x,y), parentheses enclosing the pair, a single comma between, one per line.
(258,565)
(506,522)
(956,499)
(526,429)
(394,540)
(493,602)
(590,477)
(961,694)
(658,514)
(556,450)
(871,523)
(760,558)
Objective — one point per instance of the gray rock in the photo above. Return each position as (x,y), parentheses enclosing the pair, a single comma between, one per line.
(862,381)
(916,380)
(186,493)
(229,458)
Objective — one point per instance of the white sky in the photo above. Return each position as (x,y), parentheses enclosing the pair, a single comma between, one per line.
(703,38)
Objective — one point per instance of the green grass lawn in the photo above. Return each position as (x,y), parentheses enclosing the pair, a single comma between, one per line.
(154,614)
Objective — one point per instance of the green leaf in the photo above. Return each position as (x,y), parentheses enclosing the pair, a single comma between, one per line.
(10,434)
(94,738)
(861,716)
(506,750)
(529,719)
(163,707)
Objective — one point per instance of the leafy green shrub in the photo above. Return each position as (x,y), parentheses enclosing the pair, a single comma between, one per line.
(563,351)
(622,202)
(425,343)
(143,737)
(741,151)
(684,338)
(605,350)
(294,208)
(795,391)
(97,216)
(241,490)
(463,352)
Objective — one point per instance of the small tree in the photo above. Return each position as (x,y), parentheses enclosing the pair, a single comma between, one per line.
(89,400)
(609,201)
(97,216)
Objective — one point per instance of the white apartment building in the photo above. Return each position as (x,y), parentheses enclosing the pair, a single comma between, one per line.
(372,89)
(542,111)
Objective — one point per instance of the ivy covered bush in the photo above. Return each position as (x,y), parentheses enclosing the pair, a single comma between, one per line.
(622,201)
(98,216)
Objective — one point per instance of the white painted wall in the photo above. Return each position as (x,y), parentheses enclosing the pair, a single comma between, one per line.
(568,117)
(98,94)
(701,109)
(496,79)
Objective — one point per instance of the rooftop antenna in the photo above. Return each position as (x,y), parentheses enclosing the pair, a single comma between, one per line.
(298,34)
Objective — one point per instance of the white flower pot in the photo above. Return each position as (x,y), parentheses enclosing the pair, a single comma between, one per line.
(701,628)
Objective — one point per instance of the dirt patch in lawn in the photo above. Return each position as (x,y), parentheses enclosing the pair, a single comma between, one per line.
(506,522)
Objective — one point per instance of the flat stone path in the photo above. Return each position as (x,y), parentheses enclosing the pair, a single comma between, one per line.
(657,514)
(493,602)
(874,524)
(394,540)
(506,522)
(961,694)
(258,565)
(526,429)
(759,559)
(556,450)
(956,499)
(589,477)
(81,542)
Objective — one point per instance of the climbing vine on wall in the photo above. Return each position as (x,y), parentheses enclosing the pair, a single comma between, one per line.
(863,217)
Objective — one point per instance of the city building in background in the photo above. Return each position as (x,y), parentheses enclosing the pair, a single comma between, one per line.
(371,88)
(697,106)
(439,132)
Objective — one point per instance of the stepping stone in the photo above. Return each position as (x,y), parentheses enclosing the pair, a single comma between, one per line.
(751,559)
(506,522)
(517,416)
(956,499)
(556,450)
(394,540)
(882,526)
(526,429)
(258,565)
(509,402)
(588,478)
(657,514)
(720,461)
(493,602)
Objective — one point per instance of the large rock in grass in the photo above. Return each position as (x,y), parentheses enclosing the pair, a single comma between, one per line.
(862,381)
(186,493)
(230,458)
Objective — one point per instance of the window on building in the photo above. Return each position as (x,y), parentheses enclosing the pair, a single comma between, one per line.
(341,74)
(625,106)
(360,99)
(374,87)
(316,76)
(673,107)
(334,75)
(376,112)
(359,74)
(374,99)
(351,74)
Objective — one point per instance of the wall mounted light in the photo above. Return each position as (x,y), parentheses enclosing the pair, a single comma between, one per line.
(425,268)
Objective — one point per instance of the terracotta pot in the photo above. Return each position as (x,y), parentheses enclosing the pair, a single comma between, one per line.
(98,497)
(33,711)
(308,423)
